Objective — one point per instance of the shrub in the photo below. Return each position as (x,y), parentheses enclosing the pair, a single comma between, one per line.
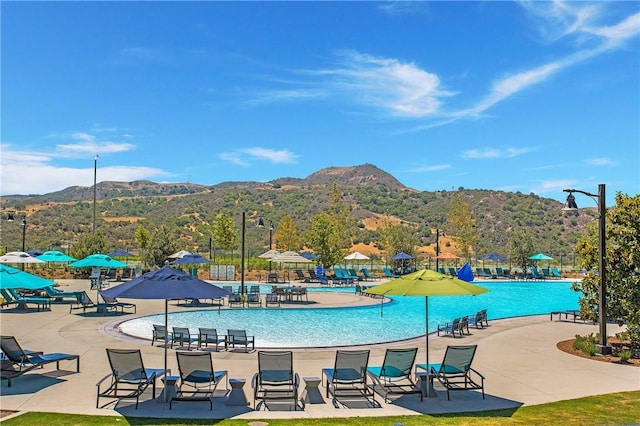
(625,354)
(586,344)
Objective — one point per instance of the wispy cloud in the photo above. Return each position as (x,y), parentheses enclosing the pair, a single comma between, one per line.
(88,144)
(247,156)
(428,169)
(282,96)
(604,161)
(552,186)
(490,153)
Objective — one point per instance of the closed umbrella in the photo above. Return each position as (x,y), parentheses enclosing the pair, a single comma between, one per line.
(426,282)
(166,283)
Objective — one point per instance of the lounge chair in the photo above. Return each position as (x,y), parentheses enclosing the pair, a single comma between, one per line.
(536,275)
(354,275)
(96,279)
(126,274)
(301,277)
(129,378)
(240,338)
(501,273)
(198,379)
(488,273)
(394,376)
(368,276)
(389,274)
(21,302)
(298,293)
(546,274)
(16,361)
(236,299)
(477,319)
(452,271)
(451,328)
(59,296)
(555,273)
(455,372)
(112,301)
(208,336)
(480,273)
(160,333)
(272,299)
(110,275)
(182,337)
(275,379)
(348,377)
(254,299)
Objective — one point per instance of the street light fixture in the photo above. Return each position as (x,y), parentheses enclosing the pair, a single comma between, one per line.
(571,205)
(95,175)
(244,215)
(271,229)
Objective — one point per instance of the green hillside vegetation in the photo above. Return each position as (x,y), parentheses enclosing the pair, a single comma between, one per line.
(59,219)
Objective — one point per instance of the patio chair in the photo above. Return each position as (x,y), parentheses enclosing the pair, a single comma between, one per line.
(353,274)
(389,274)
(298,293)
(160,333)
(451,328)
(96,278)
(368,276)
(12,296)
(348,377)
(84,302)
(122,305)
(182,336)
(198,379)
(394,376)
(275,379)
(272,299)
(59,296)
(16,361)
(129,378)
(477,320)
(240,338)
(301,277)
(555,273)
(235,299)
(208,336)
(455,372)
(452,271)
(254,299)
(441,270)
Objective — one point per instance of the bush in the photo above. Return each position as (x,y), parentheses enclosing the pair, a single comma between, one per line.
(586,344)
(625,354)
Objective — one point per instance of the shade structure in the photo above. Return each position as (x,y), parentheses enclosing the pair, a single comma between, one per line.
(15,278)
(356,255)
(426,282)
(166,283)
(98,260)
(494,256)
(308,255)
(402,256)
(540,256)
(19,257)
(119,253)
(447,256)
(190,259)
(178,254)
(56,256)
(269,254)
(289,257)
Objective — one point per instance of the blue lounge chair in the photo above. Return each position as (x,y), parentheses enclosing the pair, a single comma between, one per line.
(348,377)
(455,372)
(394,376)
(368,276)
(59,296)
(160,333)
(555,273)
(388,273)
(451,328)
(21,302)
(16,361)
(198,379)
(452,271)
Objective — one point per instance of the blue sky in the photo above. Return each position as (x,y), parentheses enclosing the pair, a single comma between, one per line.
(515,96)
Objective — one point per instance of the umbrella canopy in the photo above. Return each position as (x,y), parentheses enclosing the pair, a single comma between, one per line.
(289,257)
(166,283)
(540,256)
(119,253)
(56,256)
(269,254)
(426,282)
(98,260)
(190,259)
(178,254)
(465,273)
(356,255)
(34,252)
(494,256)
(402,256)
(308,255)
(19,257)
(446,256)
(15,278)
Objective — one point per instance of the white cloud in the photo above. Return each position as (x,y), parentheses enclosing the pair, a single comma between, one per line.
(88,144)
(279,96)
(550,186)
(604,161)
(488,153)
(246,156)
(432,168)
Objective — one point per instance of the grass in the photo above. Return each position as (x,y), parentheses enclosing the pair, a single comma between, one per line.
(615,408)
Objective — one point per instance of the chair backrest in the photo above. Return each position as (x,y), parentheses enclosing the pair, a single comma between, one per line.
(208,335)
(457,359)
(351,366)
(181,333)
(126,365)
(254,289)
(275,366)
(300,274)
(237,335)
(12,349)
(159,332)
(84,299)
(195,367)
(398,362)
(312,274)
(8,297)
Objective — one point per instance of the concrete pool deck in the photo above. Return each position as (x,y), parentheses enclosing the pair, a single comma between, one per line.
(517,356)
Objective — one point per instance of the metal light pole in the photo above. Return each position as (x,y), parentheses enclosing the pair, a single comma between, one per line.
(244,214)
(95,175)
(571,205)
(437,250)
(24,232)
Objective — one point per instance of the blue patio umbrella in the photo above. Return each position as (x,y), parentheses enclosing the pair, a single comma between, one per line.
(98,260)
(308,255)
(465,273)
(119,253)
(166,283)
(34,252)
(494,256)
(190,259)
(15,278)
(56,257)
(540,256)
(402,256)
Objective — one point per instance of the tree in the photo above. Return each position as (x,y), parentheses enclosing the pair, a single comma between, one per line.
(225,232)
(286,235)
(89,244)
(622,260)
(521,248)
(462,224)
(142,237)
(161,244)
(397,238)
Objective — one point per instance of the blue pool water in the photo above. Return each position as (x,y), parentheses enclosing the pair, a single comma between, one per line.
(402,318)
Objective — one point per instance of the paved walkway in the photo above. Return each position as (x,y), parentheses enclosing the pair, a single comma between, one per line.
(518,357)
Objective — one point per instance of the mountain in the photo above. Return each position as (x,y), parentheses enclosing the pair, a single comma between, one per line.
(58,219)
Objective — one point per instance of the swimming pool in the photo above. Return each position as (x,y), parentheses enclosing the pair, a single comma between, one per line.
(403,318)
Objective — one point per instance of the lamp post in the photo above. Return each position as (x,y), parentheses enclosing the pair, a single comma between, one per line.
(95,175)
(244,215)
(571,205)
(437,250)
(271,229)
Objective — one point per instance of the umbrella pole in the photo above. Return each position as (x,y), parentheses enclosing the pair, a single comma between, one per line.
(166,343)
(431,392)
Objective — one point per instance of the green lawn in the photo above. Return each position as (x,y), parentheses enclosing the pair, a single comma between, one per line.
(615,408)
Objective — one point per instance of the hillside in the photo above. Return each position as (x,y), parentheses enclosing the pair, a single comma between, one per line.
(57,219)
